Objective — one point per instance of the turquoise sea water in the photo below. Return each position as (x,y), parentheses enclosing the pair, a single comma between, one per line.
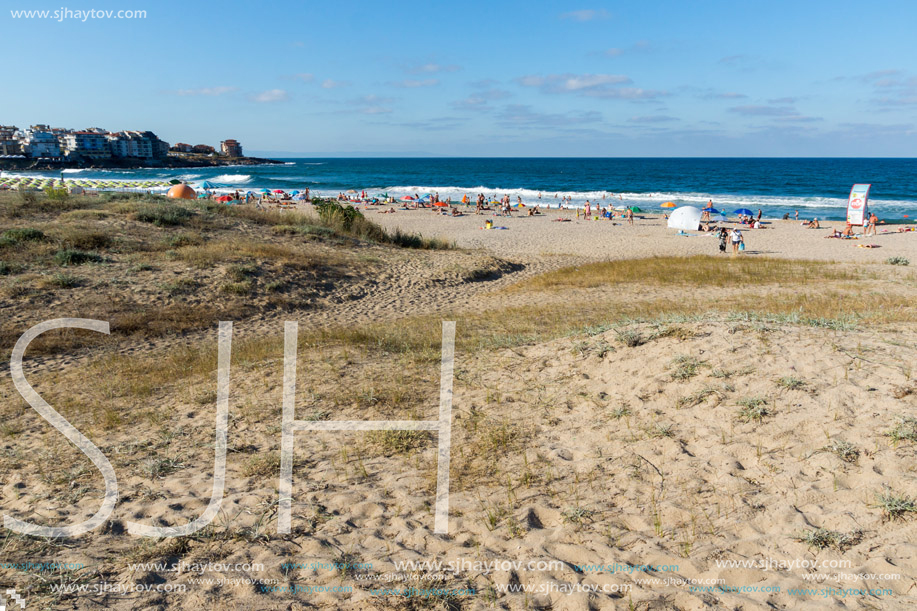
(814,187)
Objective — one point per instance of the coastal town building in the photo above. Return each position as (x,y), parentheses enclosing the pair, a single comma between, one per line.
(9,141)
(39,142)
(142,145)
(85,145)
(181,147)
(231,148)
(203,149)
(58,144)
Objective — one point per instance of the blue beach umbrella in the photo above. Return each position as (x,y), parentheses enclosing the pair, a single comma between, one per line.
(712,210)
(207,185)
(744,211)
(294,192)
(265,191)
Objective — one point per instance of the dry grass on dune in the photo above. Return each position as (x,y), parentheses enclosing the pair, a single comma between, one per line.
(155,267)
(699,270)
(415,341)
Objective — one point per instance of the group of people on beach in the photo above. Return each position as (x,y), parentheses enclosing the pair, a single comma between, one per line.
(734,236)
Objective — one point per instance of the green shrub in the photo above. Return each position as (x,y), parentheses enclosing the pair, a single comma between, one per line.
(63,281)
(240,273)
(24,234)
(237,288)
(57,194)
(72,256)
(334,214)
(898,261)
(184,239)
(84,239)
(163,215)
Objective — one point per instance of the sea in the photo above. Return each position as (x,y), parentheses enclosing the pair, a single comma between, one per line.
(815,187)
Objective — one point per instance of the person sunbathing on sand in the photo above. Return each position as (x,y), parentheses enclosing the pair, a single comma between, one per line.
(813,224)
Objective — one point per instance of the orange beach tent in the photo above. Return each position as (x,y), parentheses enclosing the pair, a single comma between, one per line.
(181,192)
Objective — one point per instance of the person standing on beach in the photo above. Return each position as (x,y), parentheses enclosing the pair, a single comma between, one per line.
(797,215)
(723,235)
(587,210)
(630,216)
(736,240)
(871,224)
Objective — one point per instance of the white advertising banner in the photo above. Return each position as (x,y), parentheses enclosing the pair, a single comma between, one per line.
(856,205)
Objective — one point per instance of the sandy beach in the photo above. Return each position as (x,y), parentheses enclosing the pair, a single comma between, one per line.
(647,237)
(685,431)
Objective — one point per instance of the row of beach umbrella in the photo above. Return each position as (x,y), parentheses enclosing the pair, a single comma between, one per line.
(711,210)
(31,182)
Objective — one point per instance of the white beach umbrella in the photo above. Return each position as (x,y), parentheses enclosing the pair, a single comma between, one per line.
(686,218)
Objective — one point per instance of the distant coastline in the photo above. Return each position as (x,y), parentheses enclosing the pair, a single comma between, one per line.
(180,160)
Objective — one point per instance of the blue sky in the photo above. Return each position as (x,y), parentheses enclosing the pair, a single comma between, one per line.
(704,78)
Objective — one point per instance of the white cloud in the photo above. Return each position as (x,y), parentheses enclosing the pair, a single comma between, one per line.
(330,84)
(271,95)
(431,68)
(605,86)
(415,83)
(558,83)
(586,15)
(209,91)
(305,77)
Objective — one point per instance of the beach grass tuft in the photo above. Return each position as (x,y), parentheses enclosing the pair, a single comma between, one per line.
(686,367)
(895,505)
(631,338)
(791,383)
(822,538)
(63,280)
(844,450)
(753,409)
(904,430)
